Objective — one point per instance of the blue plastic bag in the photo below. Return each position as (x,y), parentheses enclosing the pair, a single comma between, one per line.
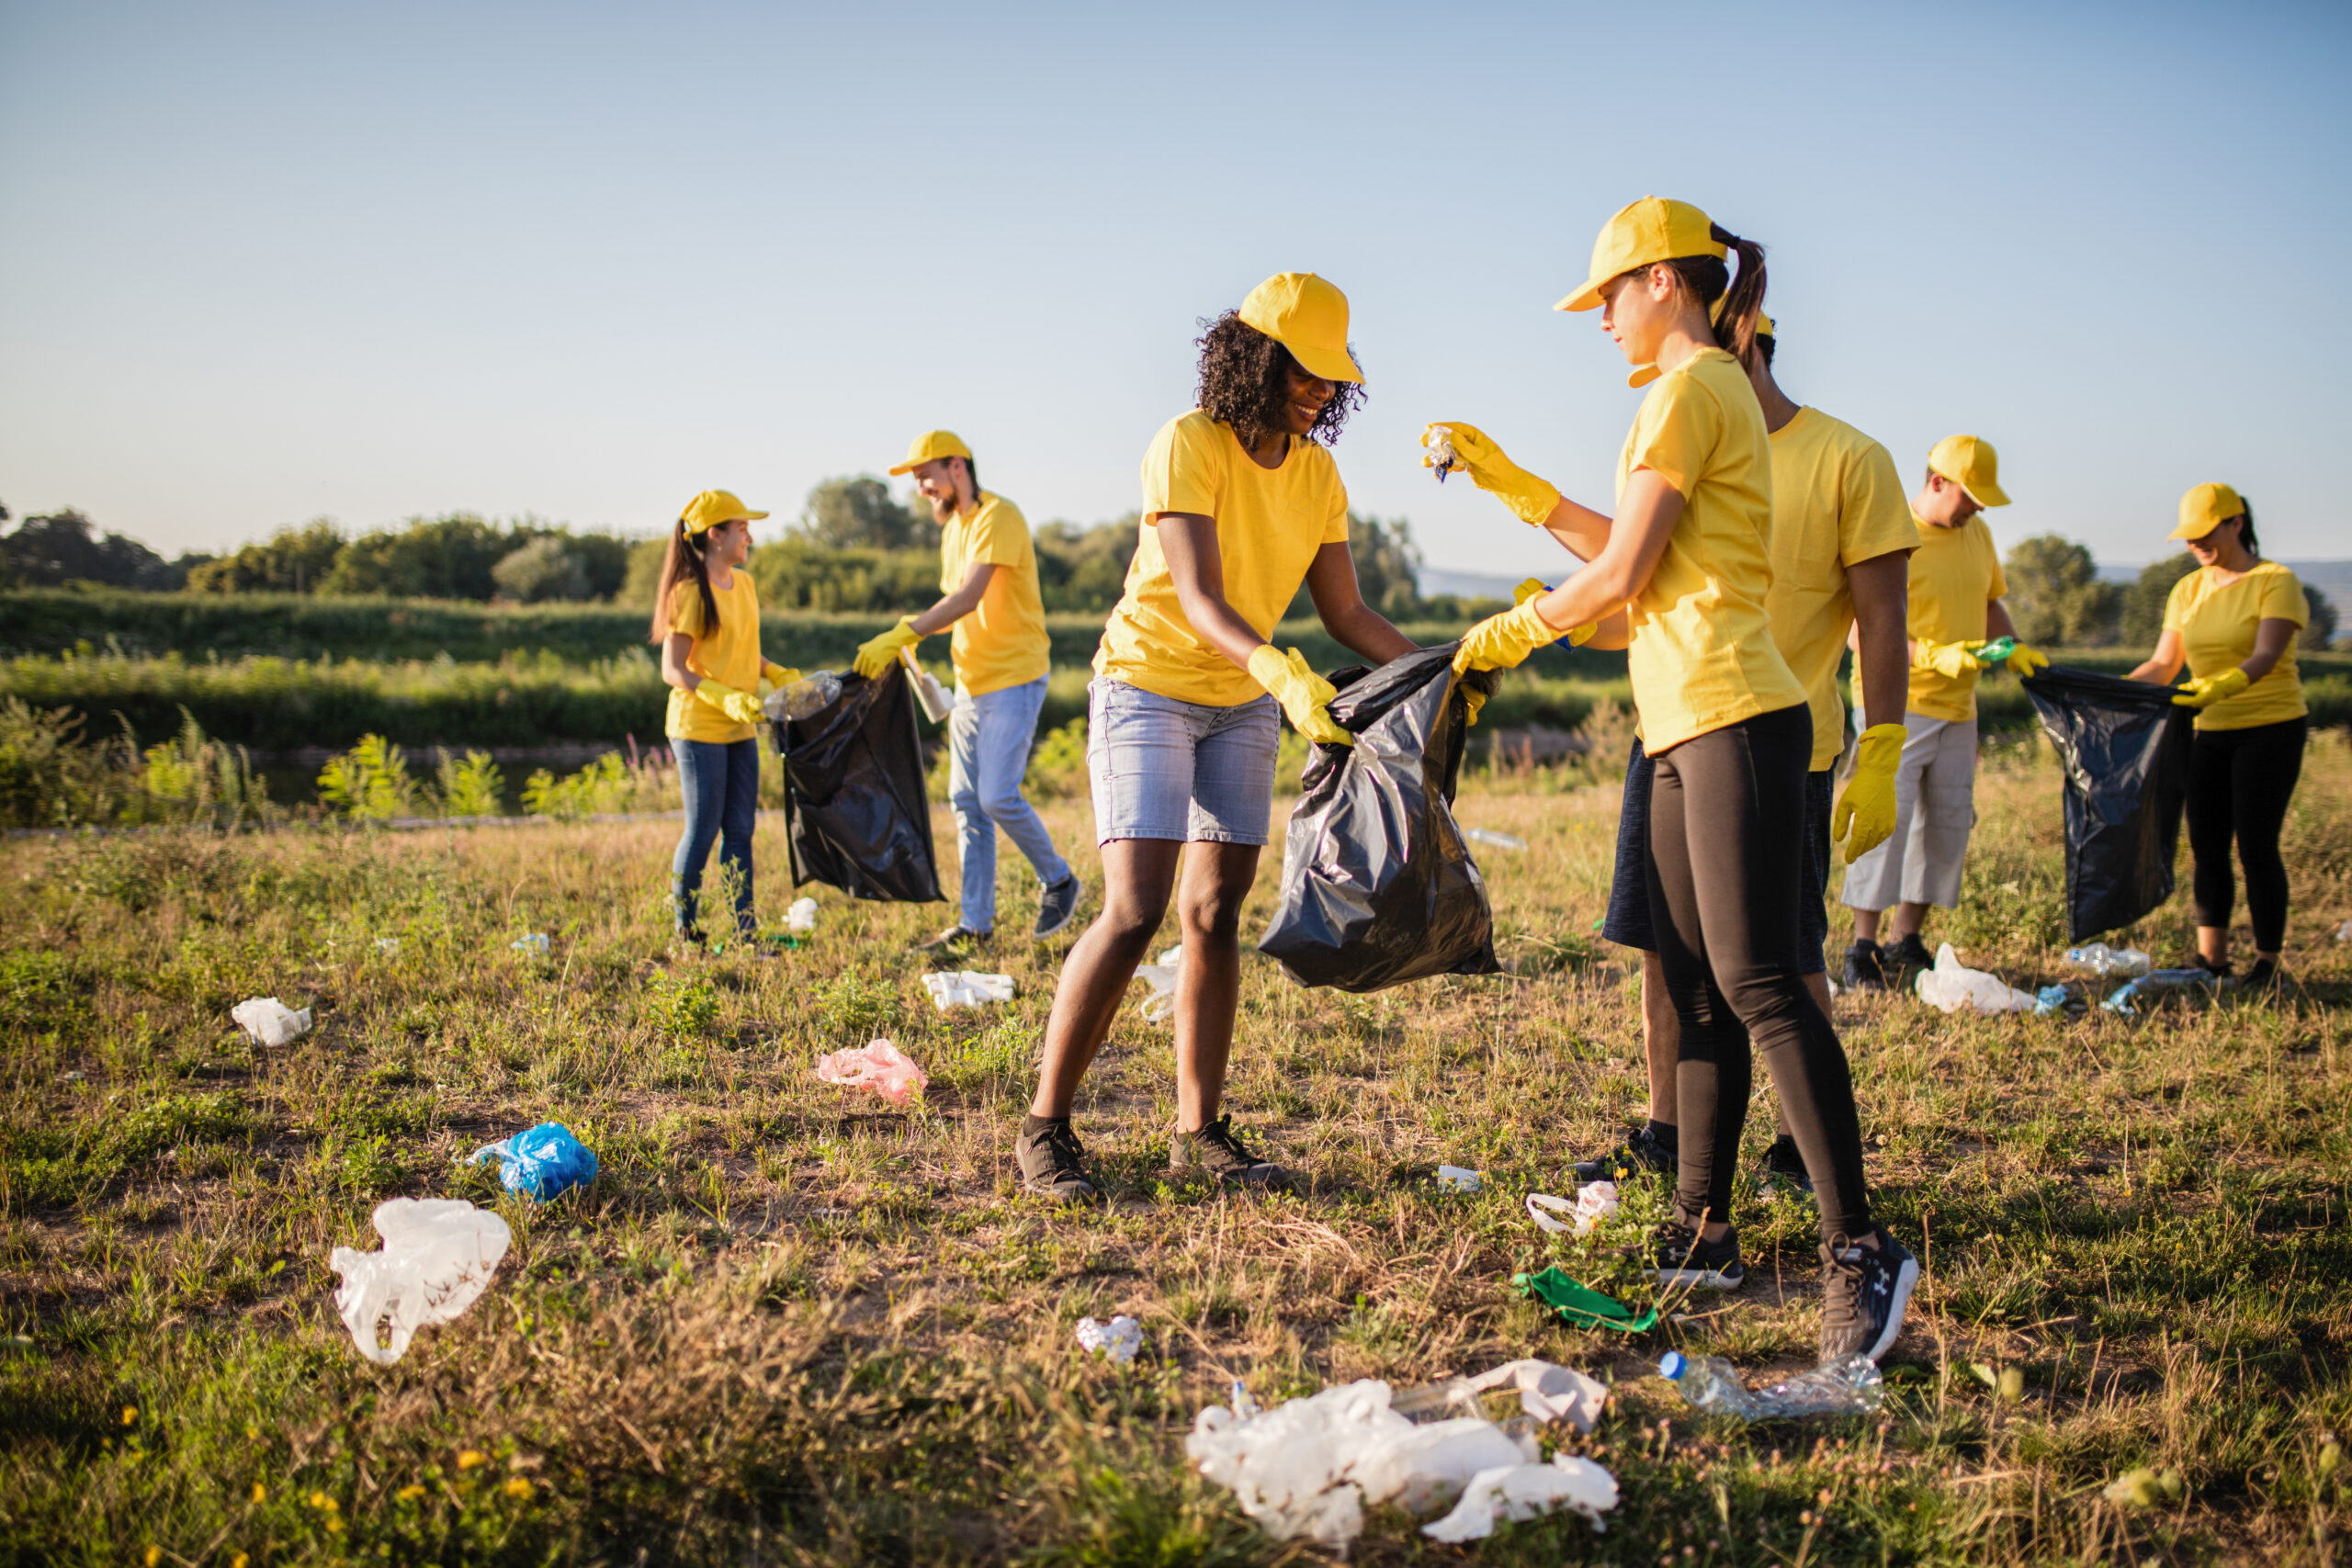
(542,1162)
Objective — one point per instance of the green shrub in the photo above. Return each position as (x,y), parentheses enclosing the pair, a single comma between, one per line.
(370,783)
(471,786)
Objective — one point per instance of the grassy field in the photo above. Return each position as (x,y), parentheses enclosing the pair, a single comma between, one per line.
(791,1326)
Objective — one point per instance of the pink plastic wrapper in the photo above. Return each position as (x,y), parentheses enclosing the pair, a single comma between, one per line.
(881,1067)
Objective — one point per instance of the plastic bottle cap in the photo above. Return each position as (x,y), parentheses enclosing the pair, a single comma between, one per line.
(1672,1365)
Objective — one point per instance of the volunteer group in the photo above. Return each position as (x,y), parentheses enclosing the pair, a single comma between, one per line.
(1751,542)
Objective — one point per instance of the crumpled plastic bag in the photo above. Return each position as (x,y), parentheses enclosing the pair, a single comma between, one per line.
(1595,1202)
(1162,978)
(269,1022)
(1118,1339)
(439,1254)
(967,989)
(1951,986)
(1510,1493)
(541,1162)
(801,918)
(880,1067)
(1546,1392)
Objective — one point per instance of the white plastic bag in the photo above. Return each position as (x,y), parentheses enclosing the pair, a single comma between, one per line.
(967,989)
(1426,1466)
(439,1254)
(1506,1494)
(1162,978)
(1459,1179)
(801,917)
(266,1019)
(880,1067)
(1951,986)
(1546,1392)
(1595,1202)
(1119,1339)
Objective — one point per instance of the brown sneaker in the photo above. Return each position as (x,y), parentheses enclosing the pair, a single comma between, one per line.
(1050,1164)
(1218,1151)
(957,940)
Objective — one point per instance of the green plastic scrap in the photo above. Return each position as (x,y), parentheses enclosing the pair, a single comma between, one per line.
(1580,1307)
(1988,654)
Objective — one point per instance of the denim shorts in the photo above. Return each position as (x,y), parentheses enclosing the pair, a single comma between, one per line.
(1628,922)
(1188,771)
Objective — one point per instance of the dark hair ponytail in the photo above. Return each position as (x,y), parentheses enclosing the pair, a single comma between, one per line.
(686,560)
(2246,527)
(1711,280)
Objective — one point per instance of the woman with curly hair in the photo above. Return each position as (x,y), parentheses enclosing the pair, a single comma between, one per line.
(1241,504)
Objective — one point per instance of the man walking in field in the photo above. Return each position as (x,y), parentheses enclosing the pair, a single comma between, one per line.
(987,572)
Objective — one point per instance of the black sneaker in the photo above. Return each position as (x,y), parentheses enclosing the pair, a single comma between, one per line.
(1910,955)
(1057,908)
(1642,1155)
(1864,1293)
(2217,967)
(956,942)
(1865,968)
(1216,1151)
(1049,1161)
(2262,975)
(1784,1164)
(1681,1258)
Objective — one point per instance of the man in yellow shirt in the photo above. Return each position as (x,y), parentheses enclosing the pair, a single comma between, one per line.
(1956,589)
(987,572)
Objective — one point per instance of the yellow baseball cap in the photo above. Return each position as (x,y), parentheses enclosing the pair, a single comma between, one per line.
(1308,315)
(2206,508)
(711,508)
(1650,229)
(1645,374)
(1970,462)
(931,445)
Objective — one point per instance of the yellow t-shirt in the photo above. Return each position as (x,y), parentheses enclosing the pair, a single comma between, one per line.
(1270,522)
(1002,642)
(2216,621)
(730,655)
(1955,573)
(1702,654)
(1837,501)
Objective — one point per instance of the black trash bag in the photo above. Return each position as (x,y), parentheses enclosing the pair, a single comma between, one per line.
(855,812)
(1377,887)
(2124,745)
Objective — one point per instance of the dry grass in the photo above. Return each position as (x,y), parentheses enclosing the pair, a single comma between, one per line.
(788,1325)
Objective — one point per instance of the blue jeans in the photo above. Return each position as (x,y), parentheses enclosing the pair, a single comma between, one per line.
(988,742)
(722,790)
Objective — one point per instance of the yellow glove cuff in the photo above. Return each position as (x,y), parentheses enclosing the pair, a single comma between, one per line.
(1878,748)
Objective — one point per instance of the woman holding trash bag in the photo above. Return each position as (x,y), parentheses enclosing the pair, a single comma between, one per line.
(2233,621)
(1730,732)
(706,622)
(1241,504)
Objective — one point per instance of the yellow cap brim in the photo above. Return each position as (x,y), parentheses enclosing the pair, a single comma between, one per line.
(1584,299)
(1332,365)
(906,467)
(746,517)
(1988,495)
(2189,531)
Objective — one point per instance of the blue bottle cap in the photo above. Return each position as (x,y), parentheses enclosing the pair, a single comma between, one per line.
(1672,1365)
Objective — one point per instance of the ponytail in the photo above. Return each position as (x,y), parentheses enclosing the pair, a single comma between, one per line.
(1741,299)
(2246,527)
(686,560)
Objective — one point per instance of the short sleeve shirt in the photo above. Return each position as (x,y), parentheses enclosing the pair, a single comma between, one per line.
(2217,620)
(1002,641)
(1701,654)
(1955,574)
(729,655)
(1837,501)
(1269,524)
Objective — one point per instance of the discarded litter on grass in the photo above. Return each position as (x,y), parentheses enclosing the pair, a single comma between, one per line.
(1162,978)
(269,1022)
(439,1254)
(1459,1179)
(801,918)
(1508,1494)
(967,989)
(1493,840)
(532,942)
(1594,1201)
(2125,1002)
(2108,963)
(1546,1392)
(880,1067)
(1581,1306)
(2054,999)
(1951,986)
(541,1162)
(1118,1339)
(1845,1386)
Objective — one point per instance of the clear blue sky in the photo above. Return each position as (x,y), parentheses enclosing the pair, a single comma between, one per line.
(263,263)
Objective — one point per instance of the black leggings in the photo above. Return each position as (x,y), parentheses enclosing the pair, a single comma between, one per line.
(1726,870)
(2239,784)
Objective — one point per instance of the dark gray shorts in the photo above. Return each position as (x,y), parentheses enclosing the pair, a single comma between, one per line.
(1628,922)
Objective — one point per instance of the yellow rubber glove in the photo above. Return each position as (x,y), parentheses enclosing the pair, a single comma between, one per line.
(1577,636)
(1530,498)
(741,706)
(1951,659)
(1305,695)
(1864,814)
(2204,691)
(2024,662)
(1473,699)
(777,676)
(874,655)
(1504,641)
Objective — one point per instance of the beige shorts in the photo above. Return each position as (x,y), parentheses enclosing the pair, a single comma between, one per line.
(1935,806)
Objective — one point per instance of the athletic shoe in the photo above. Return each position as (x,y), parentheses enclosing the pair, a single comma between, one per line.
(1642,1155)
(1910,955)
(1057,908)
(1865,968)
(1783,1163)
(957,940)
(1216,1151)
(1050,1164)
(1864,1293)
(1681,1258)
(2217,967)
(2260,975)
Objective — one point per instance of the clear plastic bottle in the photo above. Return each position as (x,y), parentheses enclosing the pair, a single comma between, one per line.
(808,694)
(1850,1386)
